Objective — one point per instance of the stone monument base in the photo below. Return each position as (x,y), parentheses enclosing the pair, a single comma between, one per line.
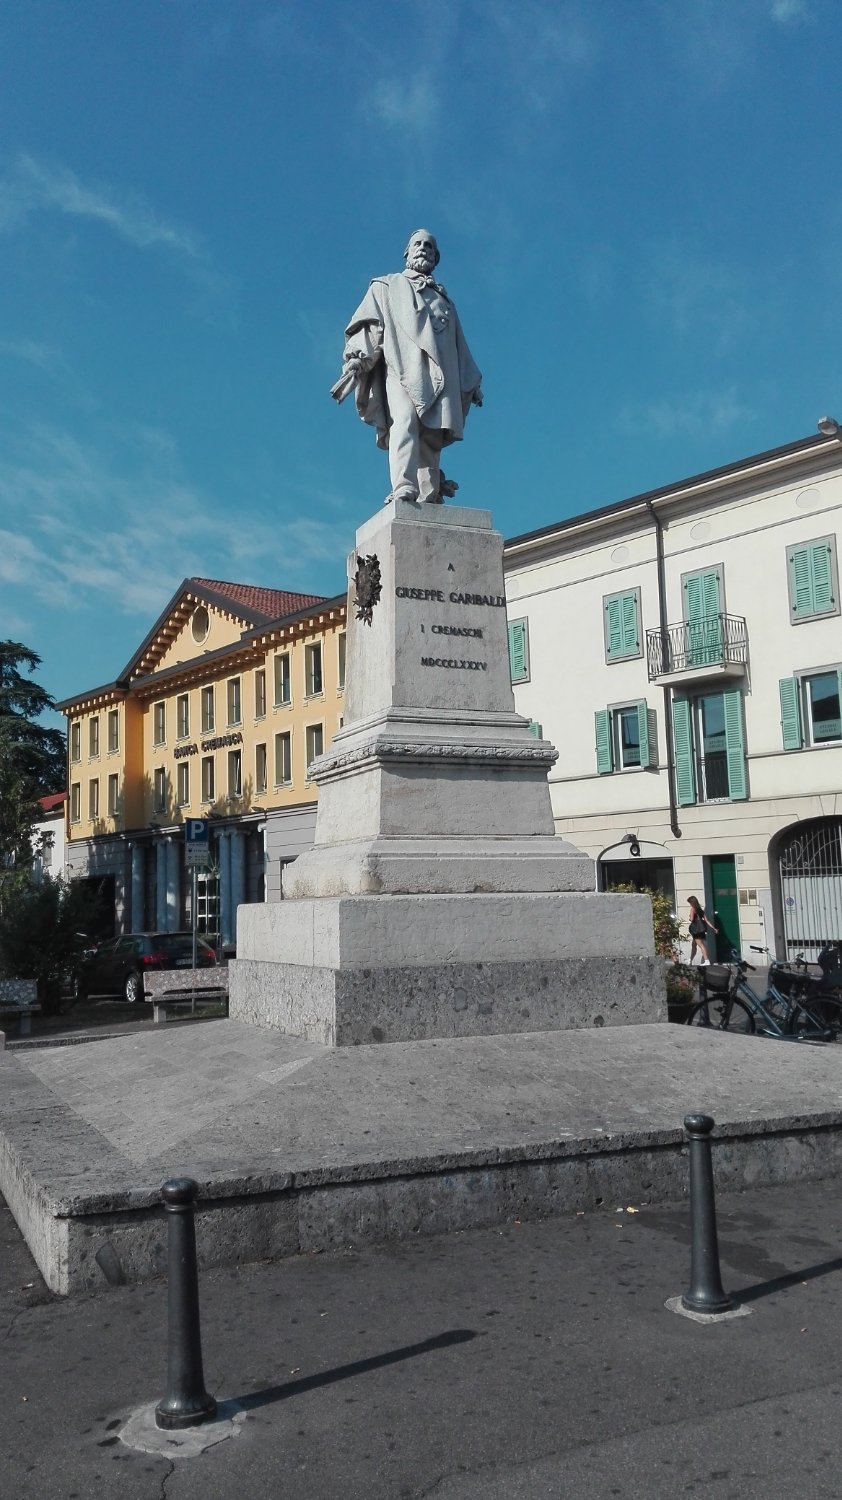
(350,970)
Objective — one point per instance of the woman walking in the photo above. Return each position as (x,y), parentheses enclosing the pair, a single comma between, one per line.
(698,924)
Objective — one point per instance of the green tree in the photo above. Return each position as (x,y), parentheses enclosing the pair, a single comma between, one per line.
(42,931)
(32,756)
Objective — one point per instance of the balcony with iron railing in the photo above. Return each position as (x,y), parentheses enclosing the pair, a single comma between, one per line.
(715,646)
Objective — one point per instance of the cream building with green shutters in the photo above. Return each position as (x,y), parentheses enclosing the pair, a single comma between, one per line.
(683,651)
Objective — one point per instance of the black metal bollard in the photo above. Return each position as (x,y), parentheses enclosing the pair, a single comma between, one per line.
(705,1294)
(186,1402)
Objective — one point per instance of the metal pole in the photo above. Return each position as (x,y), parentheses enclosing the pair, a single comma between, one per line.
(705,1293)
(186,1402)
(195,921)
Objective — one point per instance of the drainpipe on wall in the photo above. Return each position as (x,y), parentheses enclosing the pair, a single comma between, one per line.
(662,616)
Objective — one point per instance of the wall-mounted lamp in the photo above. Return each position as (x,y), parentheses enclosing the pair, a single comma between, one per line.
(829,427)
(634,846)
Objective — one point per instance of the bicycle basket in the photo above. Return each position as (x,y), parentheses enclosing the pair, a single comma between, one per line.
(716,978)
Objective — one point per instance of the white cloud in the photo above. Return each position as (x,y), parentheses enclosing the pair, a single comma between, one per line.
(114,525)
(411,105)
(787,11)
(695,414)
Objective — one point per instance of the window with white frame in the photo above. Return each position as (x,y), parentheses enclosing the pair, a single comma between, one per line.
(208,779)
(626,737)
(283,758)
(234,710)
(113,730)
(260,693)
(183,783)
(811,708)
(208,713)
(314,741)
(93,737)
(259,769)
(235,773)
(159,724)
(182,716)
(313,669)
(113,796)
(341,649)
(283,680)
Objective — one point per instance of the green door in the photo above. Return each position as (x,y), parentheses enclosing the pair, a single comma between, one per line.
(702,617)
(726,906)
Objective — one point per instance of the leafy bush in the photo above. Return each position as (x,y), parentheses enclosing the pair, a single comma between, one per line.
(43,930)
(665,924)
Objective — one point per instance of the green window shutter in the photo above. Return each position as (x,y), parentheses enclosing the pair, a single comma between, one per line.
(735,750)
(811,580)
(790,713)
(621,633)
(536,730)
(685,778)
(602,729)
(518,665)
(643,731)
(701,613)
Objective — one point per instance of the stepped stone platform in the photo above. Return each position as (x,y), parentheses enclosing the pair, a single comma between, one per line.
(298,1147)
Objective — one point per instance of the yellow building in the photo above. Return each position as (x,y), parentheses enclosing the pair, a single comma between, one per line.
(217,715)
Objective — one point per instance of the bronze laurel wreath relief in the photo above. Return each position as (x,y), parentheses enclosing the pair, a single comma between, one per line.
(367,586)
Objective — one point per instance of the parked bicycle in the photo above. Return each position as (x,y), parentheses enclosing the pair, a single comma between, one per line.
(796,1007)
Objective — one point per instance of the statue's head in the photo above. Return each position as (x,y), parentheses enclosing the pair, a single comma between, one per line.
(422,252)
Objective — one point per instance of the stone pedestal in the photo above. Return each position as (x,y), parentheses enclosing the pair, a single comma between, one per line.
(436,900)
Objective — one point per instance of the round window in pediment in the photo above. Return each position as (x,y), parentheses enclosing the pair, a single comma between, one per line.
(200,624)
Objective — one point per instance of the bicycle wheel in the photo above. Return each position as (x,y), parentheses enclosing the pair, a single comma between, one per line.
(827,1010)
(723,1013)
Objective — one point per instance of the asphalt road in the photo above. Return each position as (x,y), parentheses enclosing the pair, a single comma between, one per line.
(531,1362)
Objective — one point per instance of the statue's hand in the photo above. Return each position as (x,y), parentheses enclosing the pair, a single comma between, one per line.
(353,366)
(477,398)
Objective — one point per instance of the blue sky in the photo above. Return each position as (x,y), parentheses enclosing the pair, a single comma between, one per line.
(639,207)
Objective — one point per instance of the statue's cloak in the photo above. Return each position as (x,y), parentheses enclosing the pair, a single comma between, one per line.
(437,371)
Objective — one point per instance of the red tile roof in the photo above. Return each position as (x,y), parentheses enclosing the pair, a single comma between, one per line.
(271,603)
(54,800)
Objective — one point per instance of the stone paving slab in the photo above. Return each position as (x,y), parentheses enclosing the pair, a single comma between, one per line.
(314,1146)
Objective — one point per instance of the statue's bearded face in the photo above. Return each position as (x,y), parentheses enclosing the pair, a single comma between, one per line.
(422,253)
